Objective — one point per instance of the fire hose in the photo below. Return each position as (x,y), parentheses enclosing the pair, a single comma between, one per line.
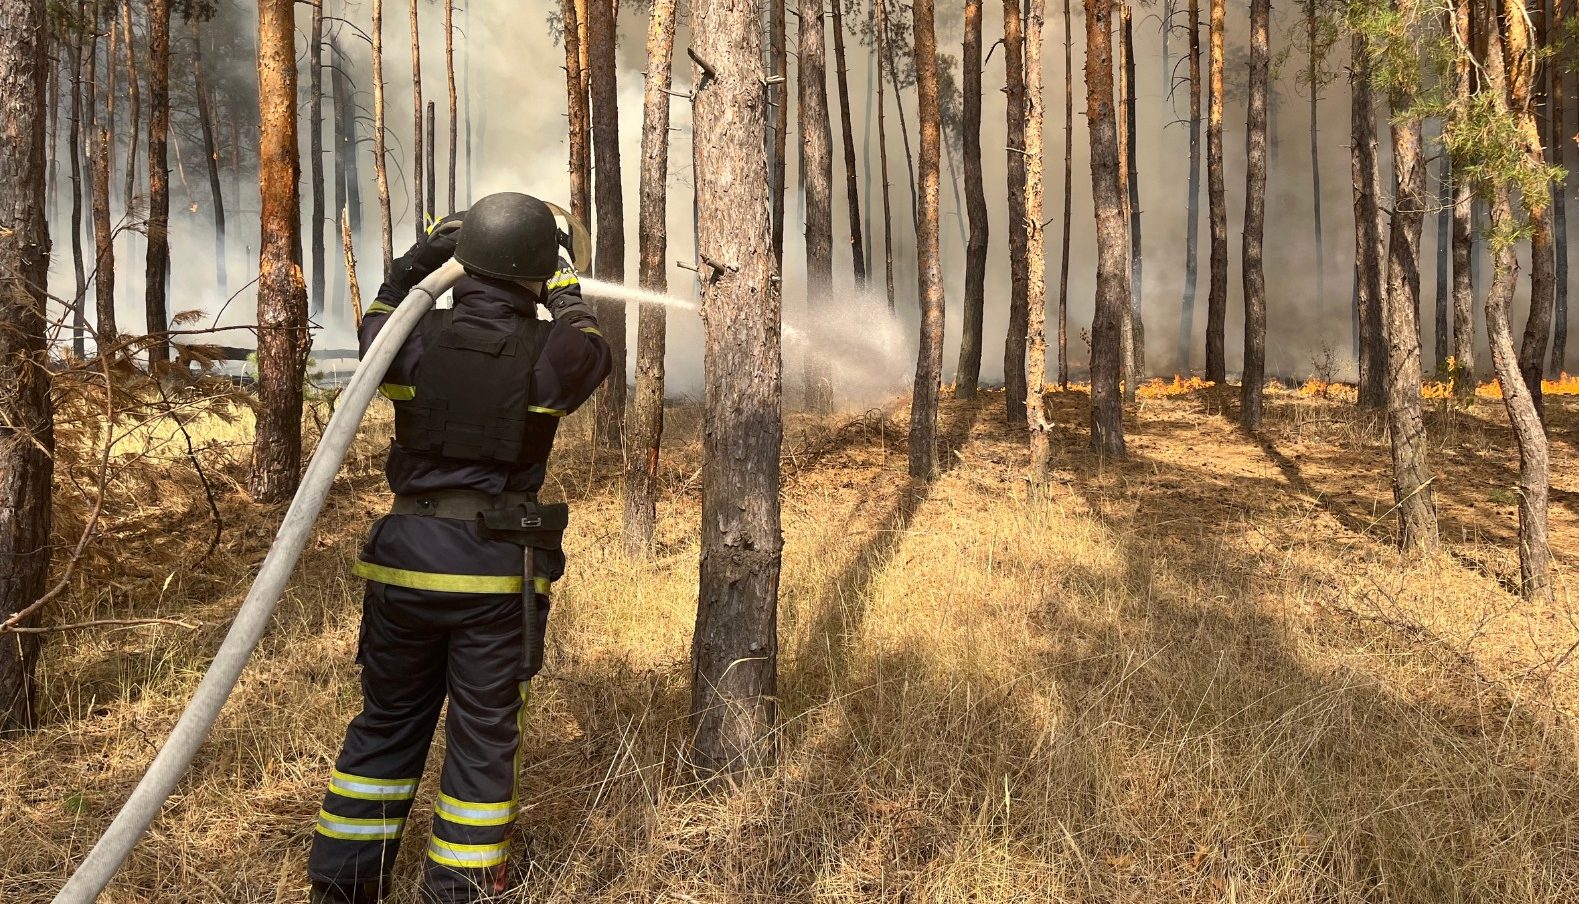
(252,619)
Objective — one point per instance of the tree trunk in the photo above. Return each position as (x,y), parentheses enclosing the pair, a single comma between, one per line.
(103,235)
(580,122)
(1125,150)
(1192,239)
(734,652)
(1313,76)
(816,166)
(1463,240)
(1112,296)
(882,154)
(27,444)
(641,479)
(1019,237)
(449,72)
(1528,430)
(1038,422)
(134,95)
(432,163)
(1411,474)
(79,301)
(419,150)
(1559,143)
(282,295)
(1217,208)
(205,113)
(779,60)
(1369,250)
(1253,386)
(1441,345)
(1522,65)
(158,258)
(1069,173)
(904,130)
(315,177)
(846,124)
(602,26)
(380,158)
(1137,326)
(348,191)
(968,375)
(929,269)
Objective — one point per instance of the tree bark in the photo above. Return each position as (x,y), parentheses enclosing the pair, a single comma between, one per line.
(851,189)
(734,652)
(968,375)
(380,156)
(779,60)
(1192,239)
(1253,386)
(449,72)
(1463,239)
(1528,430)
(27,442)
(103,236)
(205,113)
(432,163)
(882,154)
(1019,238)
(282,294)
(74,140)
(158,257)
(1313,76)
(1217,207)
(1522,66)
(816,166)
(580,122)
(1125,151)
(1369,249)
(641,480)
(134,95)
(929,270)
(315,177)
(1411,474)
(419,150)
(1136,362)
(1069,173)
(1107,411)
(1038,422)
(348,183)
(609,408)
(1559,143)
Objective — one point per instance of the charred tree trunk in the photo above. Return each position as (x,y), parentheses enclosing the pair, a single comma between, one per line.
(315,176)
(1069,173)
(882,154)
(1125,149)
(1136,362)
(1217,208)
(158,257)
(205,113)
(641,479)
(580,121)
(1406,427)
(380,144)
(103,236)
(1019,237)
(847,126)
(1107,411)
(432,163)
(1038,422)
(348,190)
(74,138)
(816,167)
(1528,430)
(419,150)
(449,73)
(27,442)
(1313,76)
(610,401)
(282,294)
(1520,52)
(1253,385)
(1463,239)
(734,652)
(968,375)
(1559,143)
(1192,239)
(779,60)
(134,96)
(929,269)
(1441,345)
(1369,251)
(904,129)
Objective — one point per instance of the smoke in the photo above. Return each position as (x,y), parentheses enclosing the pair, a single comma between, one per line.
(513,94)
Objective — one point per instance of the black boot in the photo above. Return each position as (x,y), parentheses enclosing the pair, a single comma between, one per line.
(328,893)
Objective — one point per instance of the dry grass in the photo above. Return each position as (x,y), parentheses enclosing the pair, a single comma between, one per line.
(1202,675)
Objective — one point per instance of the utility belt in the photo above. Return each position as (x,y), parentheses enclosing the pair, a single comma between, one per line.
(517,518)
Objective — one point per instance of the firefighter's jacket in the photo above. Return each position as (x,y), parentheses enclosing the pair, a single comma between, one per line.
(437,554)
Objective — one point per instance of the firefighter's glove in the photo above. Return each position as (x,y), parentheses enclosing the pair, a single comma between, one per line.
(562,297)
(428,255)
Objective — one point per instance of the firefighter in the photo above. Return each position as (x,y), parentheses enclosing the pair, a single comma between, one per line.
(458,573)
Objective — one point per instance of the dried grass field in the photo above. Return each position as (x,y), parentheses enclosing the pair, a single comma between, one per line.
(1199,675)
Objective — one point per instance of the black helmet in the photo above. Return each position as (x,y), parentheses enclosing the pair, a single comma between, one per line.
(510,236)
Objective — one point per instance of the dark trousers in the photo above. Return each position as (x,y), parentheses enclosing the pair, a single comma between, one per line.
(417,647)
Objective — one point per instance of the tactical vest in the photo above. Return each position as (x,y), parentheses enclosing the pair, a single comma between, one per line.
(473,394)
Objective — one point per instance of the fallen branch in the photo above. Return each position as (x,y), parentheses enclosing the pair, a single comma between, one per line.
(107,623)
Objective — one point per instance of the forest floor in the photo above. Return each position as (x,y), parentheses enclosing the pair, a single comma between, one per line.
(1203,674)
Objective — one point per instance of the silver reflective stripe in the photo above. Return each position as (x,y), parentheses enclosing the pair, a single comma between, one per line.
(361,788)
(472,814)
(350,829)
(468,856)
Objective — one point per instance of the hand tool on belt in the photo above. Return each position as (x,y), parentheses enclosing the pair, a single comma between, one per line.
(517,518)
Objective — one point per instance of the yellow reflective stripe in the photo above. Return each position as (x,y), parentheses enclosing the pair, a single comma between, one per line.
(360,787)
(396,392)
(563,280)
(348,829)
(378,307)
(468,856)
(593,330)
(467,813)
(551,412)
(443,583)
(543,585)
